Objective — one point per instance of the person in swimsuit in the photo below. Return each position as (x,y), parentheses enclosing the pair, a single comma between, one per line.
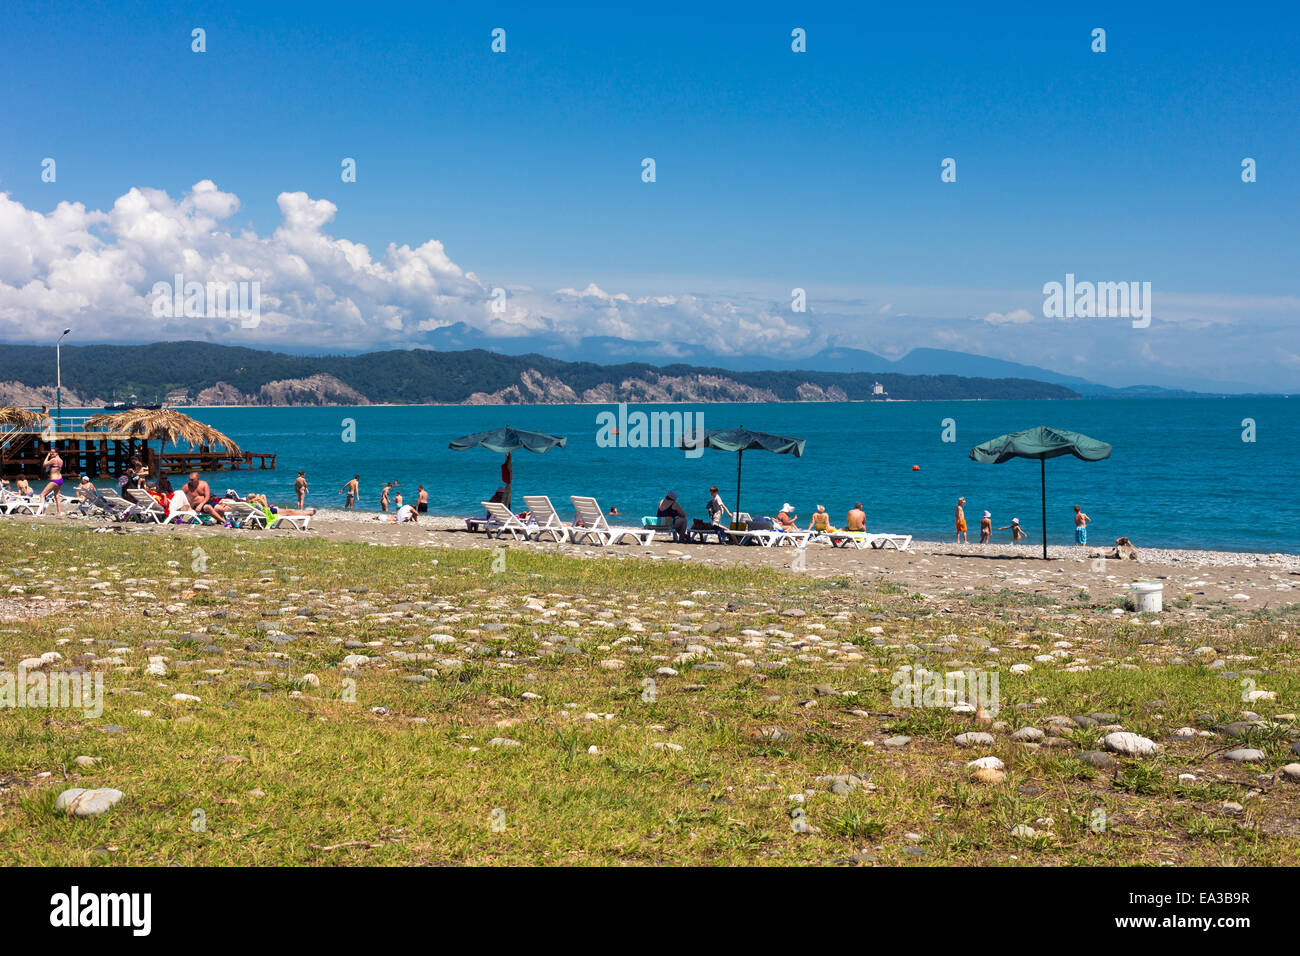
(1080,526)
(422,501)
(397,501)
(986,528)
(1017,532)
(856,518)
(300,487)
(821,521)
(383,498)
(351,490)
(961,521)
(54,465)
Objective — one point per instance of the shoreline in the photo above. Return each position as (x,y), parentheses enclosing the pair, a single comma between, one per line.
(1285,559)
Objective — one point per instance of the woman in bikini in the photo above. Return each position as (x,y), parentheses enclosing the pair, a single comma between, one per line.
(54,465)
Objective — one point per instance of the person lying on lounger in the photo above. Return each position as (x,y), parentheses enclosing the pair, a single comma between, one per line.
(259,501)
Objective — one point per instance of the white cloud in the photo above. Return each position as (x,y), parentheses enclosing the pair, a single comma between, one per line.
(1015,317)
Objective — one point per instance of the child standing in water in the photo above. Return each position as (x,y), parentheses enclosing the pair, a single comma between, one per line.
(1080,526)
(961,521)
(1017,532)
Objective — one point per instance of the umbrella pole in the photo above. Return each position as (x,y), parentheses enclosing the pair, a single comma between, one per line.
(736,516)
(1042,483)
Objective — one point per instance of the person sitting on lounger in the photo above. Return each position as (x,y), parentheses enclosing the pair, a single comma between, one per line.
(785,519)
(821,521)
(85,487)
(669,508)
(857,518)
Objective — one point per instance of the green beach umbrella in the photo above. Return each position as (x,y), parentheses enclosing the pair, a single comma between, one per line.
(505,440)
(1043,442)
(741,440)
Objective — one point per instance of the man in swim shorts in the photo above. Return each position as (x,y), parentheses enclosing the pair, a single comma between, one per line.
(961,521)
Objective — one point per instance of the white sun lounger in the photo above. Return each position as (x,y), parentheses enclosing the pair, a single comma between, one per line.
(590,523)
(770,539)
(145,504)
(25,505)
(504,520)
(866,539)
(548,520)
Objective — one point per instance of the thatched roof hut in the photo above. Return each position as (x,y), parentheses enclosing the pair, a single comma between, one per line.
(23,418)
(165,425)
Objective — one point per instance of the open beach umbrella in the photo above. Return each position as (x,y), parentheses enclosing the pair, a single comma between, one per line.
(741,440)
(1043,442)
(508,439)
(163,425)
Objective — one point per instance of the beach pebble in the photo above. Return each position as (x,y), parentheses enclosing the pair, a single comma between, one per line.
(899,741)
(84,761)
(989,775)
(188,698)
(1030,735)
(503,742)
(986,763)
(1244,755)
(1130,744)
(974,738)
(1291,772)
(78,802)
(1098,759)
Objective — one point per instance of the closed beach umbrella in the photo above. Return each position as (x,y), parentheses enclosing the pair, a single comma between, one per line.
(1043,442)
(741,440)
(505,440)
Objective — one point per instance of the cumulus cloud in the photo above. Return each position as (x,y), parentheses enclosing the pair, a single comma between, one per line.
(100,270)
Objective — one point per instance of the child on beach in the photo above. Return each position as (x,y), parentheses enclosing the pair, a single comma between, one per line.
(1017,532)
(961,521)
(1080,526)
(986,528)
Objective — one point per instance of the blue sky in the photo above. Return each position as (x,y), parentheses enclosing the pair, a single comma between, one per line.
(774,169)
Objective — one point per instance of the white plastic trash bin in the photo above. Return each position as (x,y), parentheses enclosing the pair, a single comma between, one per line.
(1147,596)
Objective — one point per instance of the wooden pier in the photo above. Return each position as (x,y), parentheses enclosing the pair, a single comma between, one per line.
(105,454)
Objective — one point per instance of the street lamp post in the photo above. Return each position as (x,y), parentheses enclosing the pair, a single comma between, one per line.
(58,387)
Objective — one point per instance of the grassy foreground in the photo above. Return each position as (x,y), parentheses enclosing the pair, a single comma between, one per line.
(506,717)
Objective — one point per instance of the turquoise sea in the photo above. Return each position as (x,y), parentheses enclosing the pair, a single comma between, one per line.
(1181,474)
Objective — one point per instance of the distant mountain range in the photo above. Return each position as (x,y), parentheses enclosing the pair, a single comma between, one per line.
(610,350)
(202,373)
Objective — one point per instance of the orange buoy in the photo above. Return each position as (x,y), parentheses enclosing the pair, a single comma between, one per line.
(916,467)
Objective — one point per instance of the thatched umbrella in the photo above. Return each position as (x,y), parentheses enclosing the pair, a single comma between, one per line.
(23,418)
(164,425)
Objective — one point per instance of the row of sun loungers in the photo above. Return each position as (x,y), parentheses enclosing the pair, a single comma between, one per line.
(590,524)
(135,504)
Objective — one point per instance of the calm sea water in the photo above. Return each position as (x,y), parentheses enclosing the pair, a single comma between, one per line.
(1180,475)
